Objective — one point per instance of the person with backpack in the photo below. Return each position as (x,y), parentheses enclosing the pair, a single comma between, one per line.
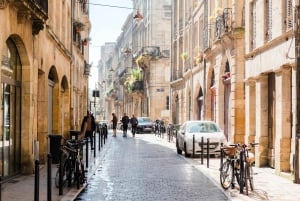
(125,122)
(134,122)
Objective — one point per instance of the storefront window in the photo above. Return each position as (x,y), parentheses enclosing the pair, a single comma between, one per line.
(10,133)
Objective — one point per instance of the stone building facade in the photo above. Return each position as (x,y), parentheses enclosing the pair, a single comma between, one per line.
(44,72)
(143,47)
(233,62)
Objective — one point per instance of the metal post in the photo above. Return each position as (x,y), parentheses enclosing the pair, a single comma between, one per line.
(207,153)
(36,180)
(0,187)
(60,184)
(202,150)
(99,137)
(221,156)
(193,145)
(87,153)
(49,176)
(94,140)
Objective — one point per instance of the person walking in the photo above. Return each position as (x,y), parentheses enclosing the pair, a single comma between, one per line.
(134,122)
(88,127)
(125,122)
(114,124)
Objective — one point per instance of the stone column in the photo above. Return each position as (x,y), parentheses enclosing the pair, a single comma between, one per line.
(250,115)
(283,121)
(261,151)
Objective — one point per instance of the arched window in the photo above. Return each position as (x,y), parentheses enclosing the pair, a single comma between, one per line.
(10,133)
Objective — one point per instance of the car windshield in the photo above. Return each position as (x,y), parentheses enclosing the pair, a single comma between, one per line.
(202,127)
(144,120)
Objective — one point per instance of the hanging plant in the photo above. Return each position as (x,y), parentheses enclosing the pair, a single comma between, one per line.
(184,56)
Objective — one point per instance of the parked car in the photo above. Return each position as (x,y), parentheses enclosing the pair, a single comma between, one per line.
(145,125)
(206,129)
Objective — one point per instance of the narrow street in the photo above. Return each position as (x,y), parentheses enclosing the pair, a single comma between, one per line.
(134,169)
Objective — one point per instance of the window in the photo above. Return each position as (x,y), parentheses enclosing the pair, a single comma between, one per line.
(268,20)
(252,26)
(288,15)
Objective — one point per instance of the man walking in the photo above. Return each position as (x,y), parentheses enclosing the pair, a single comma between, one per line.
(134,122)
(88,126)
(114,124)
(125,122)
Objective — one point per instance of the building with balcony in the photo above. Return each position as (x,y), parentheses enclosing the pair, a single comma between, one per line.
(44,73)
(234,62)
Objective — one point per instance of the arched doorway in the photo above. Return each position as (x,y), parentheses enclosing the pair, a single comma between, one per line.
(10,134)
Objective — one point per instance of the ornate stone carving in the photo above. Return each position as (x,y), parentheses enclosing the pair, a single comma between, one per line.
(3,3)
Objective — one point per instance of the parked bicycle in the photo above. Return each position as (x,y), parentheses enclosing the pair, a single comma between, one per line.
(247,160)
(238,165)
(72,170)
(230,169)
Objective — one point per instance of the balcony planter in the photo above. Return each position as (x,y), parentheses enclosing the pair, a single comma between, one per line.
(86,41)
(184,56)
(134,80)
(79,26)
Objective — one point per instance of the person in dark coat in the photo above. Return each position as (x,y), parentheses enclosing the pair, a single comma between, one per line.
(88,126)
(114,124)
(125,121)
(134,123)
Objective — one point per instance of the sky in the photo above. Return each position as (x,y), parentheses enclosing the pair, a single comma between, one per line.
(107,22)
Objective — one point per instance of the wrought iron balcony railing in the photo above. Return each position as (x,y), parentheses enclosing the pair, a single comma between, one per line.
(223,23)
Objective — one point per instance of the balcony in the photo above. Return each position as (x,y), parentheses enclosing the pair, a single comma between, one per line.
(223,23)
(37,10)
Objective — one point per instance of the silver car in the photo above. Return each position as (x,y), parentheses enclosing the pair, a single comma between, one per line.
(207,130)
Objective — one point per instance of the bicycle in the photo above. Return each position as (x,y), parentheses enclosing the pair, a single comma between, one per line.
(72,164)
(247,161)
(230,169)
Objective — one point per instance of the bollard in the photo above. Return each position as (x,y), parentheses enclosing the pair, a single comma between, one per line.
(104,136)
(36,180)
(94,144)
(49,176)
(193,145)
(87,154)
(60,176)
(202,150)
(0,187)
(221,156)
(99,143)
(207,152)
(102,133)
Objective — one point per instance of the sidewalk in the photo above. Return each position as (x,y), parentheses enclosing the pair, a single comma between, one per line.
(22,187)
(267,185)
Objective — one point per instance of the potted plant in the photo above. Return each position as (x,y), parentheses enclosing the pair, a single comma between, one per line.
(79,26)
(86,40)
(184,56)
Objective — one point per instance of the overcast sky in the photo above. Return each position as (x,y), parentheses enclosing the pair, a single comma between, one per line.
(107,18)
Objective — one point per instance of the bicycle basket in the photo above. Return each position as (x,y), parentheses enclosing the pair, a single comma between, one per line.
(229,151)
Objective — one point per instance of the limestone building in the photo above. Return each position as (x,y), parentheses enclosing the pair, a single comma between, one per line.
(44,72)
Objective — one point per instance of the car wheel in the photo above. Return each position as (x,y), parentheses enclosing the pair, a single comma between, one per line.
(185,152)
(179,151)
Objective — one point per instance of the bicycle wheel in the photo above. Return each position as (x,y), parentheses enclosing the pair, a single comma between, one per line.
(226,174)
(248,177)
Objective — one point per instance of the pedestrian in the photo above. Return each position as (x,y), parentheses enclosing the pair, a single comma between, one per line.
(88,127)
(125,122)
(134,122)
(114,124)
